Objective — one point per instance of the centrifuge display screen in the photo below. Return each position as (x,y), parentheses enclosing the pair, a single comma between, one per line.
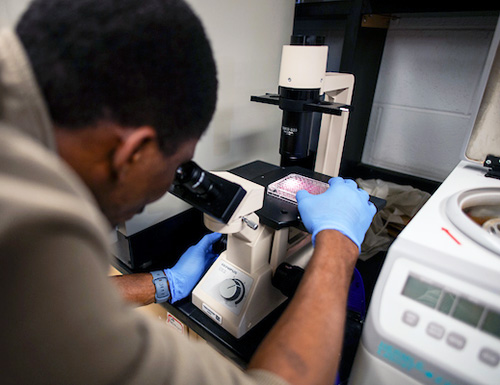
(456,306)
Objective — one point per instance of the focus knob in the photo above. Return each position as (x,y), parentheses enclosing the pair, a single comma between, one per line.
(232,290)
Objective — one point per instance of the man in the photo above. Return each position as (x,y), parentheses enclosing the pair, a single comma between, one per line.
(82,91)
(101,101)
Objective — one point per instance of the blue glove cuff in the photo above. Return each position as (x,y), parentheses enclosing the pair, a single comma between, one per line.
(160,281)
(171,280)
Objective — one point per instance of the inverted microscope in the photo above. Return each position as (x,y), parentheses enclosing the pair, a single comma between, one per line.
(267,246)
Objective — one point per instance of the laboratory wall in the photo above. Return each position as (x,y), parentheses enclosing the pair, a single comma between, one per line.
(10,10)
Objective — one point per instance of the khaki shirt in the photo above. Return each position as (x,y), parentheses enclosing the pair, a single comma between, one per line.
(62,321)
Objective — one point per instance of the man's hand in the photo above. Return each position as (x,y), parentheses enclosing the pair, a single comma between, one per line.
(186,273)
(343,207)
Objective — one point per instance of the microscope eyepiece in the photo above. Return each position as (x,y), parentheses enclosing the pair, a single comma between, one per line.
(194,178)
(207,191)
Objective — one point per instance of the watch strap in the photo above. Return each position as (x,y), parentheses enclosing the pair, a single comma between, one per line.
(160,281)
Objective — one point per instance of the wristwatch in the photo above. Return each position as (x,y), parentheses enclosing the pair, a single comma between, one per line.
(161,283)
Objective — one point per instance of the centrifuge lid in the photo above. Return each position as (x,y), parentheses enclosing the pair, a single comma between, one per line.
(485,136)
(469,198)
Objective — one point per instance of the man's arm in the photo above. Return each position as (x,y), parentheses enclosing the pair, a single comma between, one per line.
(139,288)
(304,346)
(136,288)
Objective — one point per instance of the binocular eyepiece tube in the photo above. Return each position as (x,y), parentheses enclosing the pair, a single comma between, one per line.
(207,191)
(194,178)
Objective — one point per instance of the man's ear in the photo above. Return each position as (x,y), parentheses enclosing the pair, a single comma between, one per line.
(128,150)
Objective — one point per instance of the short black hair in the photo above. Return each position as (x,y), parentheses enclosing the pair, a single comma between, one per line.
(134,62)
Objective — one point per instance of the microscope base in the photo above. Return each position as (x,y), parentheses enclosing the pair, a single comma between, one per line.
(237,301)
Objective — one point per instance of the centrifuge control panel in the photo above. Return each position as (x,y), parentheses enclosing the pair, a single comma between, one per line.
(454,324)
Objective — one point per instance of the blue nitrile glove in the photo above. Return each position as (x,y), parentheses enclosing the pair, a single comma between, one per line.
(186,273)
(343,207)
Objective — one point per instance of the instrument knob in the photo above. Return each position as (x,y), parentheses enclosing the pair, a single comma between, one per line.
(232,289)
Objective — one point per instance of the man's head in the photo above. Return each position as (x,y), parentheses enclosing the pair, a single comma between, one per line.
(139,70)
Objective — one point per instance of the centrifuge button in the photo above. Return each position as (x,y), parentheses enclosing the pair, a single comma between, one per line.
(435,330)
(456,341)
(489,357)
(410,318)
